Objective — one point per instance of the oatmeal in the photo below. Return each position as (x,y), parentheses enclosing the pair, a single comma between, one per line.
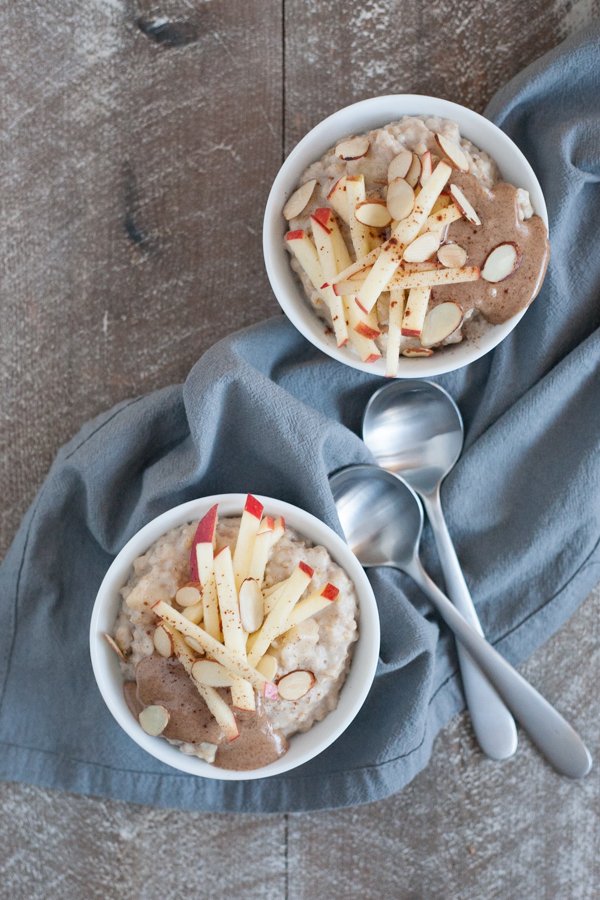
(405,238)
(234,635)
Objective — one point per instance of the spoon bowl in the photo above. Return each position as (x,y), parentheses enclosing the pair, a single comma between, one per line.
(389,535)
(414,427)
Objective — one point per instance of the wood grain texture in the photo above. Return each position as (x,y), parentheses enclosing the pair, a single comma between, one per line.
(139,141)
(135,173)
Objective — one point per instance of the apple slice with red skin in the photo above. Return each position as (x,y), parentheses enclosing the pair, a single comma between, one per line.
(295,587)
(501,262)
(414,311)
(251,519)
(296,684)
(338,198)
(453,153)
(278,530)
(440,322)
(233,632)
(205,534)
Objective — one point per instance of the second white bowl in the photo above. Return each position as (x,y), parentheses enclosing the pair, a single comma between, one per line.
(302,746)
(358,119)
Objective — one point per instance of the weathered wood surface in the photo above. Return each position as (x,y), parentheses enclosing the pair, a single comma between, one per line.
(139,141)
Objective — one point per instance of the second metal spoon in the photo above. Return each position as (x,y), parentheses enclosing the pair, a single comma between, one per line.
(414,428)
(382,519)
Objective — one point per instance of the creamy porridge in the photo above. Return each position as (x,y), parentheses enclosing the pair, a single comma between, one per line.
(406,240)
(230,645)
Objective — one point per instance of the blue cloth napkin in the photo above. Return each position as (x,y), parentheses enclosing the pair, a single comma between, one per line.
(522,503)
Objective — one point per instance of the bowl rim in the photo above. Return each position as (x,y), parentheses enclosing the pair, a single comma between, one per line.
(303,746)
(358,118)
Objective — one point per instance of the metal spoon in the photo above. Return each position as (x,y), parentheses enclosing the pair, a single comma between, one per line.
(382,519)
(414,428)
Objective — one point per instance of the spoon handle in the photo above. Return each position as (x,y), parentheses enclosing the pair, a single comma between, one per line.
(553,735)
(492,722)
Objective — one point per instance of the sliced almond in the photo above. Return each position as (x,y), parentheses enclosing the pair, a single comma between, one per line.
(501,262)
(414,172)
(154,720)
(373,213)
(453,153)
(440,322)
(195,645)
(422,247)
(417,351)
(464,205)
(298,200)
(453,256)
(212,674)
(400,198)
(252,610)
(267,667)
(114,646)
(189,594)
(296,684)
(163,641)
(426,168)
(400,165)
(353,148)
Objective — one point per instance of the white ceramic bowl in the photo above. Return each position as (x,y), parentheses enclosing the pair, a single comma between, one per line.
(302,746)
(358,119)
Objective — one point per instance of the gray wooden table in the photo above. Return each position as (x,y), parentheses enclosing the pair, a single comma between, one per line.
(137,137)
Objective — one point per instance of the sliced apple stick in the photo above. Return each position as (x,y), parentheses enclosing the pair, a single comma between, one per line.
(268,666)
(354,284)
(311,605)
(435,277)
(408,229)
(359,266)
(206,577)
(268,592)
(355,192)
(278,530)
(366,348)
(414,311)
(251,518)
(306,253)
(231,661)
(367,324)
(262,546)
(233,631)
(220,710)
(297,584)
(329,246)
(439,220)
(339,200)
(394,332)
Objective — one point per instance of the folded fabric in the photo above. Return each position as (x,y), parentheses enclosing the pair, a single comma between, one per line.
(522,503)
